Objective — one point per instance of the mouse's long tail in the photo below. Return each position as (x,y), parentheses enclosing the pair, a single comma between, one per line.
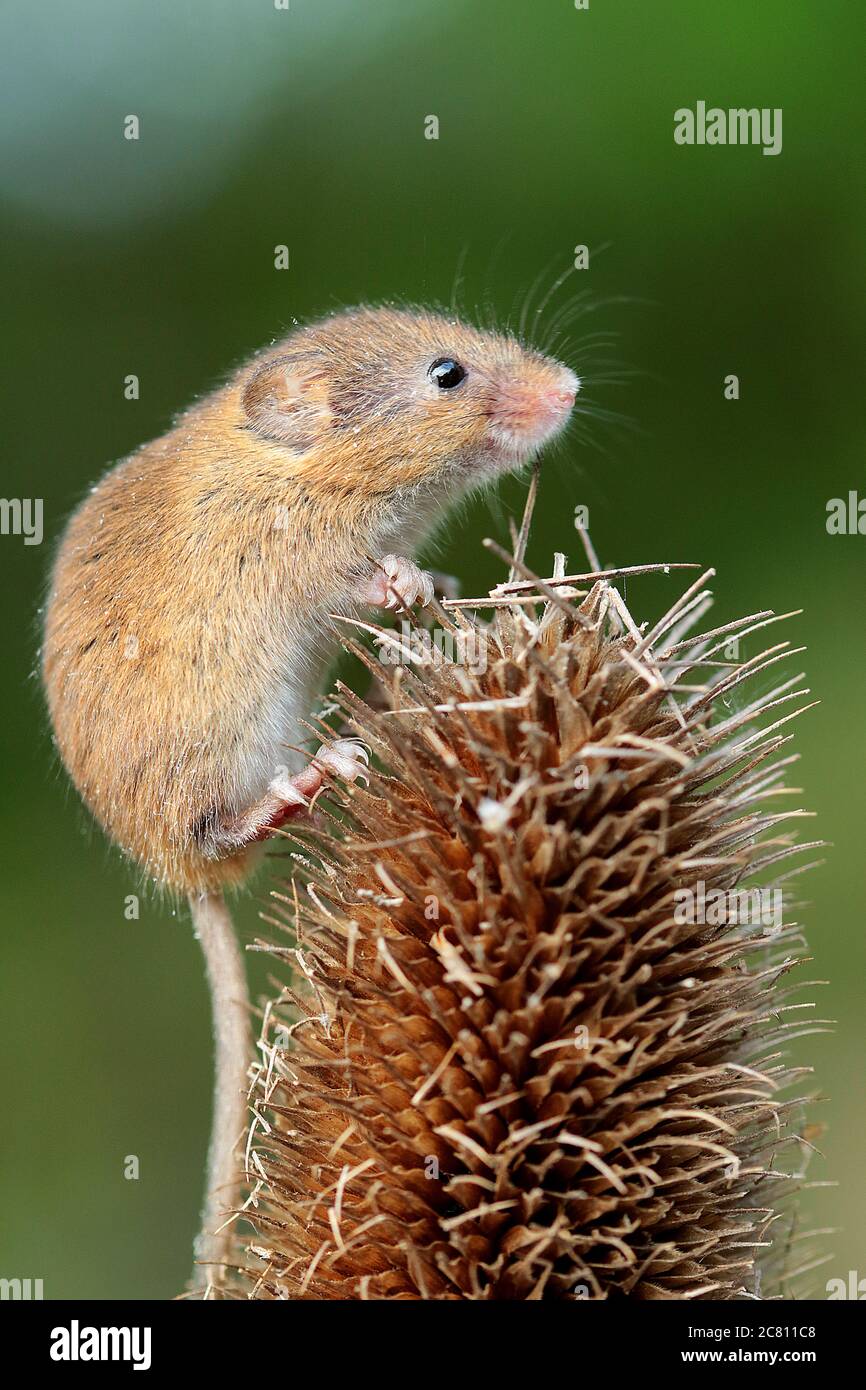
(234,1051)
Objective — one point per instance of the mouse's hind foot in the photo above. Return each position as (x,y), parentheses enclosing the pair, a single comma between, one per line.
(286,797)
(346,757)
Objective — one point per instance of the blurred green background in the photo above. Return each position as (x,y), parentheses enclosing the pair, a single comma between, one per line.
(306,127)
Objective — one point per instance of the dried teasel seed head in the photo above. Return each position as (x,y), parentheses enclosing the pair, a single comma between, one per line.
(537,1050)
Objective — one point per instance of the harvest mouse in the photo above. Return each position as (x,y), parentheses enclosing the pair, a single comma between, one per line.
(188,629)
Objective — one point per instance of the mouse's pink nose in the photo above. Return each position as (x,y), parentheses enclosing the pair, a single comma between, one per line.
(561,400)
(529,408)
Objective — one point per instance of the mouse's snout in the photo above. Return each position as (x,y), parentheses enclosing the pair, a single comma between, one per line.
(558,401)
(562,399)
(531,406)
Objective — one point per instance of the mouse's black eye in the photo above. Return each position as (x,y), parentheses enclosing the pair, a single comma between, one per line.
(446,373)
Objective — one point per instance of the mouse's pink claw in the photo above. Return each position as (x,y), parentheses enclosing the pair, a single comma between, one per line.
(347,757)
(399,583)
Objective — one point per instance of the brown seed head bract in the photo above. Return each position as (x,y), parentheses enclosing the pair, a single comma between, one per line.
(515,1066)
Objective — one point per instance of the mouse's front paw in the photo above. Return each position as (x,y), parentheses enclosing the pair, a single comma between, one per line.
(399,583)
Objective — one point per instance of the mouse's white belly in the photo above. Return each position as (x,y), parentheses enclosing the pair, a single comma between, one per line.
(273,744)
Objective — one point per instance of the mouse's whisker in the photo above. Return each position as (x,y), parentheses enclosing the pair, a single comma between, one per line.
(459,283)
(493,317)
(583,297)
(547,298)
(595,415)
(578,307)
(533,291)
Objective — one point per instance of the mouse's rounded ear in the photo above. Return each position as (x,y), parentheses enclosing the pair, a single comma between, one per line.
(286,399)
